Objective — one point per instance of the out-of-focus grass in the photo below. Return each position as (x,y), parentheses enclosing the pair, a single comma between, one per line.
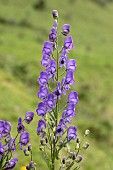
(22,32)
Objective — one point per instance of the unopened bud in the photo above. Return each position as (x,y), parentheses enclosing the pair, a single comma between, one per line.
(79,159)
(78,140)
(55,24)
(29,147)
(86,145)
(68,162)
(77,146)
(55,14)
(87,132)
(64,160)
(73,155)
(26,152)
(42,142)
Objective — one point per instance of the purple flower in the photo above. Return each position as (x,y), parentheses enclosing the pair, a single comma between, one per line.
(66,29)
(20,127)
(69,78)
(55,24)
(71,133)
(11,164)
(1,151)
(47,48)
(7,128)
(70,112)
(58,91)
(53,34)
(43,93)
(12,144)
(24,139)
(59,130)
(51,101)
(2,124)
(43,79)
(51,70)
(42,109)
(29,117)
(55,14)
(41,126)
(45,60)
(71,65)
(73,97)
(68,43)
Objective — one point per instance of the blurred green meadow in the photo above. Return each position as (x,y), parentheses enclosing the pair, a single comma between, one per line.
(24,26)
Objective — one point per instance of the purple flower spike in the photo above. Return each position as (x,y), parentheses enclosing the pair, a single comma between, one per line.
(55,14)
(43,93)
(71,65)
(29,117)
(11,164)
(41,126)
(71,133)
(66,29)
(69,78)
(24,139)
(68,43)
(1,151)
(73,97)
(47,48)
(42,109)
(20,127)
(53,34)
(43,79)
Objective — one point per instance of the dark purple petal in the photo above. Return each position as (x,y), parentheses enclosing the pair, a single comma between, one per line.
(47,48)
(55,14)
(43,79)
(51,70)
(69,78)
(51,101)
(59,130)
(1,151)
(55,24)
(58,91)
(71,133)
(73,97)
(2,124)
(53,34)
(29,117)
(20,127)
(7,127)
(45,60)
(71,65)
(66,29)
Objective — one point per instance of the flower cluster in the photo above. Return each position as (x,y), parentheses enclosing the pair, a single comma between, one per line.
(8,143)
(54,126)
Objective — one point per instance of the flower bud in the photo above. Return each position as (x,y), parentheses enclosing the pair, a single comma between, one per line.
(26,152)
(79,159)
(68,162)
(42,142)
(77,146)
(73,155)
(78,140)
(55,24)
(87,132)
(55,14)
(64,160)
(29,147)
(65,29)
(86,145)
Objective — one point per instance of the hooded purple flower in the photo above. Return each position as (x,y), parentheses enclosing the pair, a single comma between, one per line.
(58,91)
(68,43)
(24,139)
(51,101)
(71,65)
(59,130)
(73,97)
(53,34)
(7,128)
(43,93)
(47,48)
(43,79)
(1,151)
(12,144)
(69,78)
(66,29)
(51,70)
(45,60)
(11,164)
(71,133)
(55,14)
(41,126)
(2,124)
(29,117)
(42,109)
(20,127)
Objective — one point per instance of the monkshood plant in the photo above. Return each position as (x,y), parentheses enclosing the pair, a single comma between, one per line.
(59,142)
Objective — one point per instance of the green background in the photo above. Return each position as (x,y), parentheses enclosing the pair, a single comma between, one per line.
(24,26)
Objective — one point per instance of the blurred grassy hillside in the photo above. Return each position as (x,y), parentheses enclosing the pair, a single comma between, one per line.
(24,26)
